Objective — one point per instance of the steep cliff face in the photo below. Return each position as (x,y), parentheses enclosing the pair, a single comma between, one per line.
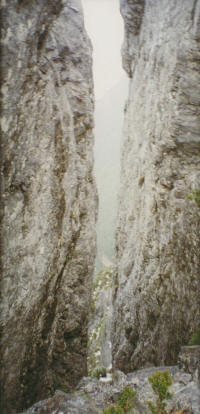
(157,282)
(48,198)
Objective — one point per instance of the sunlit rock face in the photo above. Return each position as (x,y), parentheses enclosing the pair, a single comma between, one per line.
(157,282)
(48,198)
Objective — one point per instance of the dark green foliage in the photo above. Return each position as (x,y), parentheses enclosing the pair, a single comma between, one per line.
(159,408)
(195,339)
(57,386)
(125,402)
(160,382)
(195,196)
(54,386)
(113,409)
(99,372)
(126,398)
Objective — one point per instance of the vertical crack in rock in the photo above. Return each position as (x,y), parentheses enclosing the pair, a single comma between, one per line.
(48,199)
(157,281)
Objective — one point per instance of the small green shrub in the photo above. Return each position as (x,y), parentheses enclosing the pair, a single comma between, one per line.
(160,382)
(57,386)
(195,195)
(99,372)
(113,409)
(125,402)
(195,339)
(126,399)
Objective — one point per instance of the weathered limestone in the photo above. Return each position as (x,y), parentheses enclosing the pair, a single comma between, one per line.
(99,332)
(48,198)
(157,283)
(93,395)
(189,360)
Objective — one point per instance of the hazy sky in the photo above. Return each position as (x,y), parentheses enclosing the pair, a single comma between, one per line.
(104,25)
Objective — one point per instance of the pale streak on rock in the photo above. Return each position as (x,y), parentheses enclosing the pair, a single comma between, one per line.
(157,282)
(48,198)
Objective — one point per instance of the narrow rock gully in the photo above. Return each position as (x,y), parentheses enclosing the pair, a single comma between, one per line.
(128,339)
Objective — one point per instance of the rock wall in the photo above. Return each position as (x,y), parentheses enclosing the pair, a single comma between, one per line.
(189,361)
(48,198)
(100,320)
(157,282)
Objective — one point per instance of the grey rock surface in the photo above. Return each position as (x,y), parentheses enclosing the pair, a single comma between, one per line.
(189,360)
(100,320)
(157,283)
(48,198)
(93,395)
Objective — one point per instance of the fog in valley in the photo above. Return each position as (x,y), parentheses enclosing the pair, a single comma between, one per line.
(111,90)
